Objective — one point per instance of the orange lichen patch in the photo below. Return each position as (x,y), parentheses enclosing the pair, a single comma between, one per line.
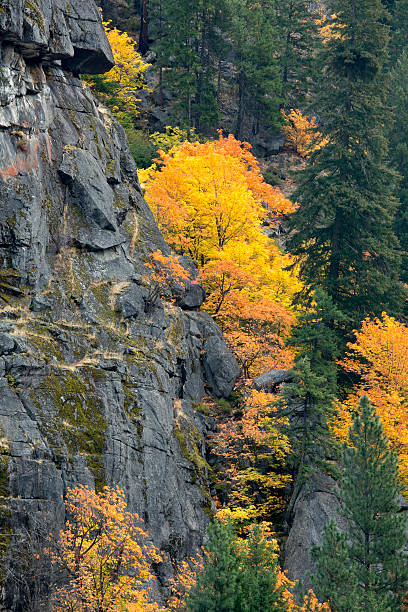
(26,161)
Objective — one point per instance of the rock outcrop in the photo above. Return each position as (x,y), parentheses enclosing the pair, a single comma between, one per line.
(97,384)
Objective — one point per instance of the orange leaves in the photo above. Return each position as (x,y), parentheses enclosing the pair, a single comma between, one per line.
(301,133)
(310,602)
(104,555)
(210,200)
(184,579)
(167,277)
(253,446)
(379,356)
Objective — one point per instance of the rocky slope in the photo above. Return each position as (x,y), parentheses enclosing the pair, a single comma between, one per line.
(97,386)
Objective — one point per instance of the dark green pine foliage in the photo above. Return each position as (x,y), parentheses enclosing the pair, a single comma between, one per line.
(316,341)
(189,34)
(298,41)
(258,577)
(334,578)
(369,493)
(236,578)
(342,233)
(254,37)
(217,584)
(399,30)
(399,150)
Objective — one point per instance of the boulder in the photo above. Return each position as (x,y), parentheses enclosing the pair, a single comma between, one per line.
(220,366)
(50,30)
(194,293)
(270,380)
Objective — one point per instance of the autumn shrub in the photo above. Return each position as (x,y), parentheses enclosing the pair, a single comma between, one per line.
(302,133)
(166,278)
(253,447)
(103,555)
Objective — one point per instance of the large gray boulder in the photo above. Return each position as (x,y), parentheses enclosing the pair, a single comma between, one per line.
(269,381)
(220,366)
(50,30)
(314,505)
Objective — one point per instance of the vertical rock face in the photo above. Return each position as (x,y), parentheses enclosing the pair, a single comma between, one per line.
(96,387)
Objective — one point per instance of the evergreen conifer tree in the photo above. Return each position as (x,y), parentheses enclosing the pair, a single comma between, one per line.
(190,34)
(298,41)
(217,584)
(372,558)
(334,578)
(258,587)
(399,149)
(254,38)
(316,341)
(399,31)
(342,233)
(238,575)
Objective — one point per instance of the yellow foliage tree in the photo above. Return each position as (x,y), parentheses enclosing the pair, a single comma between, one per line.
(302,133)
(210,200)
(120,86)
(206,196)
(379,357)
(254,450)
(103,554)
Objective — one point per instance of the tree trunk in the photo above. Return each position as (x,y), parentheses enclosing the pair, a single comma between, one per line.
(241,105)
(144,27)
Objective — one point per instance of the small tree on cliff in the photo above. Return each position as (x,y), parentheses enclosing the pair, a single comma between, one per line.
(103,555)
(370,566)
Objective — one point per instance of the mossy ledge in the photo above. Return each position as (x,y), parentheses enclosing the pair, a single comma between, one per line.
(79,424)
(190,440)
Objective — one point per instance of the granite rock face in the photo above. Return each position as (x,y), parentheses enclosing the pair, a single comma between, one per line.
(95,387)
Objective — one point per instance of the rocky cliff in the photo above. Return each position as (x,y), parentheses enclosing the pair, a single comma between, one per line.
(97,386)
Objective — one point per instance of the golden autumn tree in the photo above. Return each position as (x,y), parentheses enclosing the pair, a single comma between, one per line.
(254,448)
(379,357)
(210,200)
(120,86)
(302,133)
(103,555)
(206,196)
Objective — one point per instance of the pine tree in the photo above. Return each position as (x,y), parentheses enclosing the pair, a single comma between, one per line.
(254,39)
(334,579)
(217,584)
(258,587)
(342,232)
(399,30)
(317,346)
(298,39)
(369,495)
(238,575)
(190,34)
(399,150)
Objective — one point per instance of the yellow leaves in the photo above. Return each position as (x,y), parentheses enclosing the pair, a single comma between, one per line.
(207,196)
(330,28)
(248,444)
(379,356)
(302,133)
(127,75)
(185,577)
(104,552)
(210,200)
